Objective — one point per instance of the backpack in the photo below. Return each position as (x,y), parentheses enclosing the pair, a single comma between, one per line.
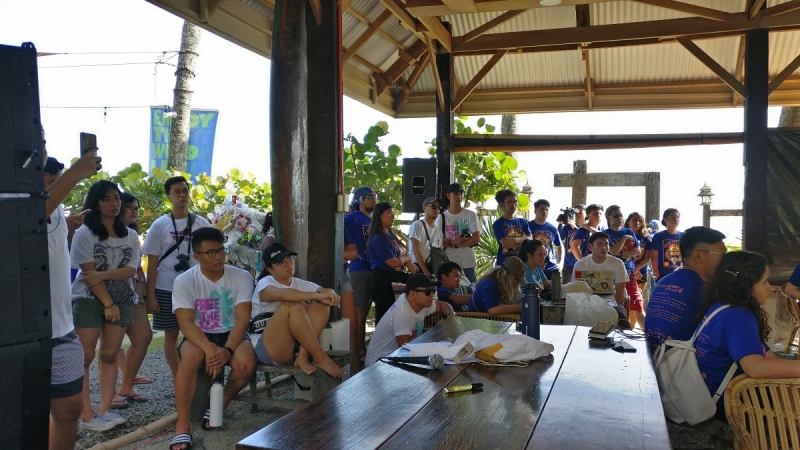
(684,394)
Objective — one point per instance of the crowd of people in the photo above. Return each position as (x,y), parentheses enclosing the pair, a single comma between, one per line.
(226,318)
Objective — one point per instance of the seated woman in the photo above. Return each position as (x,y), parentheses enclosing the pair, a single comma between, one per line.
(498,292)
(738,333)
(534,255)
(299,310)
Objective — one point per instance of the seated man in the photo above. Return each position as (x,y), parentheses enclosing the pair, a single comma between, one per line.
(604,275)
(676,302)
(212,304)
(450,289)
(299,309)
(405,318)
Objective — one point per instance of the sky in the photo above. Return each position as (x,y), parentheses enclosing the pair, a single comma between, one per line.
(118,44)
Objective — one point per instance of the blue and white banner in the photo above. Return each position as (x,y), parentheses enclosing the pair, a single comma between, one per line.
(203,128)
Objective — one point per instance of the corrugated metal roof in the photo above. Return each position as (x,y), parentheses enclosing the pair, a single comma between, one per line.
(783,48)
(608,13)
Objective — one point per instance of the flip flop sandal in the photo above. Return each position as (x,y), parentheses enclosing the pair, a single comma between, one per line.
(120,404)
(183,438)
(300,386)
(139,379)
(206,422)
(135,398)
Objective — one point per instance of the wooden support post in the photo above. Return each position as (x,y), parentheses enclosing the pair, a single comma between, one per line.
(652,195)
(445,159)
(756,198)
(579,182)
(288,117)
(325,238)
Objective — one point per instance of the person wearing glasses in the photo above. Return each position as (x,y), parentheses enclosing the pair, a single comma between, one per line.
(405,319)
(676,302)
(296,311)
(462,230)
(168,249)
(625,246)
(424,234)
(509,230)
(211,301)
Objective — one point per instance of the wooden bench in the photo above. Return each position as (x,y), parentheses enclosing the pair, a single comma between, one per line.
(318,382)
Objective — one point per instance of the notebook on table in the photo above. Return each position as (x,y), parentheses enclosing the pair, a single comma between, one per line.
(601,281)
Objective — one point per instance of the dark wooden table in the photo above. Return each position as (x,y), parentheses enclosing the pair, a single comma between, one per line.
(579,397)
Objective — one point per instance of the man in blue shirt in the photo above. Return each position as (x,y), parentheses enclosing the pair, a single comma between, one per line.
(676,301)
(548,234)
(509,230)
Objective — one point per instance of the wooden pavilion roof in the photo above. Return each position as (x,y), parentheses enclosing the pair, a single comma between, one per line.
(518,56)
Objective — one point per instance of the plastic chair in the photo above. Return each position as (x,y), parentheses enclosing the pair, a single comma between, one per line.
(764,413)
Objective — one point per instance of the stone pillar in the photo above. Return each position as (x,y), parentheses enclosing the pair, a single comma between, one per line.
(288,119)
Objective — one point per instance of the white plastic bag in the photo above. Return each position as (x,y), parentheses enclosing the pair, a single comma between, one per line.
(504,347)
(586,310)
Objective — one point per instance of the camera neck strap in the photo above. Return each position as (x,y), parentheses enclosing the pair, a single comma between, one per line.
(186,232)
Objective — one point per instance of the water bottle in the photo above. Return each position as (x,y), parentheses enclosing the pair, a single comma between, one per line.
(530,310)
(216,403)
(555,294)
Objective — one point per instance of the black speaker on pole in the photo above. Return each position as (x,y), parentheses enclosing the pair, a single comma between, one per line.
(419,182)
(25,300)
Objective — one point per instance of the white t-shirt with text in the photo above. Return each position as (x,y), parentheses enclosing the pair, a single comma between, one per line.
(161,237)
(611,264)
(400,320)
(214,302)
(454,225)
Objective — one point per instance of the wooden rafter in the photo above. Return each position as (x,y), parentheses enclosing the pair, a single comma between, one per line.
(494,23)
(400,66)
(785,73)
(461,6)
(588,80)
(316,9)
(207,8)
(381,32)
(582,16)
(783,8)
(709,62)
(432,53)
(473,83)
(700,11)
(436,29)
(369,65)
(401,13)
(738,73)
(346,5)
(412,81)
(427,8)
(658,29)
(755,8)
(366,35)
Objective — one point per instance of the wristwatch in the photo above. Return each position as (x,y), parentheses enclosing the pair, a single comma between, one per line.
(229,350)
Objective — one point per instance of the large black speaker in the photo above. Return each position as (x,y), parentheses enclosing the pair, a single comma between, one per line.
(419,182)
(24,264)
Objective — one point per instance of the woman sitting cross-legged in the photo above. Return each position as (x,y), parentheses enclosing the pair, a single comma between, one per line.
(299,311)
(738,333)
(498,291)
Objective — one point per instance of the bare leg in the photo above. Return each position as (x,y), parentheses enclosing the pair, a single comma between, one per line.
(349,313)
(171,350)
(140,335)
(191,361)
(637,319)
(110,341)
(243,365)
(121,358)
(361,335)
(88,338)
(64,415)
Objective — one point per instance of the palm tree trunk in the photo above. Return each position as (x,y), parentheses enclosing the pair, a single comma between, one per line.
(508,124)
(182,97)
(790,117)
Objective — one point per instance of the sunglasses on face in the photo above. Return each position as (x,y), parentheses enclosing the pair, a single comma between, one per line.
(434,206)
(424,291)
(371,197)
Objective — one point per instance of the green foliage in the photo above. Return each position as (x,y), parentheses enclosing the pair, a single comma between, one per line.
(486,250)
(206,193)
(482,174)
(366,164)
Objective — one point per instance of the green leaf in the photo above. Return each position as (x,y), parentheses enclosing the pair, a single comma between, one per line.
(490,128)
(481,122)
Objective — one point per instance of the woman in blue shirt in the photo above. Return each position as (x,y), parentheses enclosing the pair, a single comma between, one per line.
(738,333)
(535,255)
(498,292)
(387,258)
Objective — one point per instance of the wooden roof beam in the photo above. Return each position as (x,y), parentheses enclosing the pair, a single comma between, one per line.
(785,73)
(490,25)
(208,8)
(658,29)
(755,8)
(434,28)
(429,8)
(401,13)
(708,13)
(346,5)
(461,6)
(738,73)
(473,83)
(783,8)
(416,50)
(402,98)
(366,35)
(589,88)
(381,32)
(723,74)
(432,53)
(316,9)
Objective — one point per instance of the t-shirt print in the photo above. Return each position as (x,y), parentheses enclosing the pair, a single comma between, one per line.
(215,310)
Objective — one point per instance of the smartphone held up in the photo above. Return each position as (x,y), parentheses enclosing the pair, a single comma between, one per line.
(88,142)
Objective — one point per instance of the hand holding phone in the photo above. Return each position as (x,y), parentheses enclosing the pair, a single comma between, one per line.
(88,142)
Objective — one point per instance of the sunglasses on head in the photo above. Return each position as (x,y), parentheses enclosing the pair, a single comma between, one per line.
(424,291)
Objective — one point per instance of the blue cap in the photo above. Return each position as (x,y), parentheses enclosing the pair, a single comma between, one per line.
(654,224)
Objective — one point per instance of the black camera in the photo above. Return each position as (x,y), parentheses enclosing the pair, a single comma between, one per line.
(183,263)
(569,212)
(465,233)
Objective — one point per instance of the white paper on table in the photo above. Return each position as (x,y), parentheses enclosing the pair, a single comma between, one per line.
(445,348)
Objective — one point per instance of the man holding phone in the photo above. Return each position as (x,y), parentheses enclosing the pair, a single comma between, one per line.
(461,231)
(168,249)
(66,382)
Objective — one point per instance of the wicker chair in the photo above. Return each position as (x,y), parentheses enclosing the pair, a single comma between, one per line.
(764,413)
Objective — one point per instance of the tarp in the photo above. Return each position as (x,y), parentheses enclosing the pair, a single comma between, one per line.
(783,184)
(203,127)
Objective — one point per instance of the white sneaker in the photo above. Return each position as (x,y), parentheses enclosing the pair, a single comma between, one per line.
(98,423)
(115,418)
